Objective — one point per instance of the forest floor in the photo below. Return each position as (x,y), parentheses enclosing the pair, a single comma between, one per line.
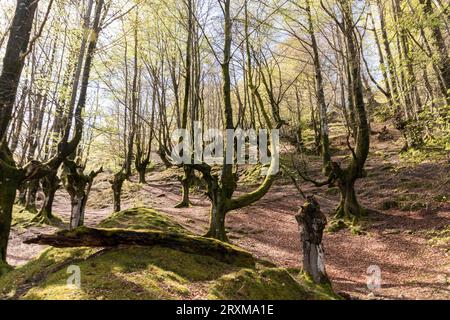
(406,233)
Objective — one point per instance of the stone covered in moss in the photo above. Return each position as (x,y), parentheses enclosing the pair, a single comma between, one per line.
(267,284)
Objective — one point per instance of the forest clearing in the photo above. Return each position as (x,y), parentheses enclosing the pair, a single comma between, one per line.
(225,150)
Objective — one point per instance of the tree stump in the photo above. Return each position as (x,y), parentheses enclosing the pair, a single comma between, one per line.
(311,222)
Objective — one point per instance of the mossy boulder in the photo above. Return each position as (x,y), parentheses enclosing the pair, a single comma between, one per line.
(268,284)
(154,272)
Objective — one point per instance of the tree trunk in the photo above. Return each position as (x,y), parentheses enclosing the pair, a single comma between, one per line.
(78,185)
(311,222)
(9,183)
(321,104)
(30,204)
(141,172)
(186,184)
(7,195)
(12,67)
(348,208)
(116,185)
(217,219)
(77,202)
(13,61)
(91,237)
(50,184)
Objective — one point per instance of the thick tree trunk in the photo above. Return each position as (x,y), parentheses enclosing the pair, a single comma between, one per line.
(78,185)
(348,208)
(9,183)
(90,237)
(141,172)
(217,221)
(78,203)
(7,195)
(311,222)
(13,61)
(186,184)
(50,184)
(116,185)
(12,67)
(30,204)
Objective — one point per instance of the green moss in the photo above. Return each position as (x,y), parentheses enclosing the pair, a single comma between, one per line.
(156,272)
(49,260)
(430,153)
(439,237)
(356,226)
(266,284)
(251,175)
(132,273)
(24,218)
(323,291)
(4,268)
(141,218)
(20,216)
(443,198)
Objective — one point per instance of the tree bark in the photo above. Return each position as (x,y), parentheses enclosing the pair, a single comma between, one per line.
(326,157)
(185,184)
(116,185)
(90,237)
(8,186)
(50,184)
(30,204)
(439,42)
(13,62)
(312,222)
(78,185)
(187,176)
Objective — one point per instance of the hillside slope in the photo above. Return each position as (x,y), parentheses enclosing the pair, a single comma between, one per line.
(156,272)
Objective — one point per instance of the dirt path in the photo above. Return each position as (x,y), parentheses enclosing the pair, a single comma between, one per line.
(396,237)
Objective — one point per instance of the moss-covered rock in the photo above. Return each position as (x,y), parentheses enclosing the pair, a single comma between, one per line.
(156,272)
(267,284)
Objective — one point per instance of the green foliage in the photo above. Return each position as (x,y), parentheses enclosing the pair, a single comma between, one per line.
(415,156)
